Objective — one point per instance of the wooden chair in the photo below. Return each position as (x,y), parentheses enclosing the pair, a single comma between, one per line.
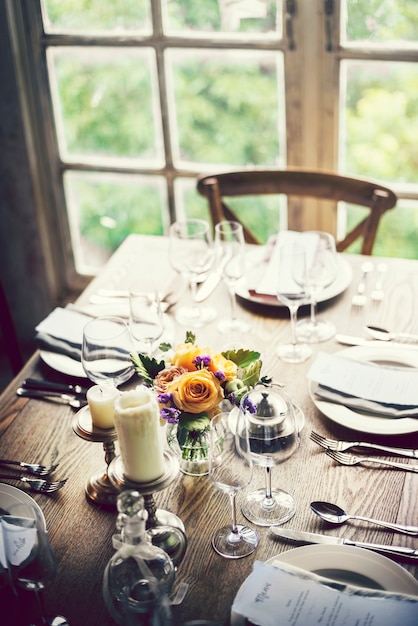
(300,182)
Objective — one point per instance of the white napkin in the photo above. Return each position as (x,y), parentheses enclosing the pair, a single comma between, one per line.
(384,390)
(301,598)
(62,331)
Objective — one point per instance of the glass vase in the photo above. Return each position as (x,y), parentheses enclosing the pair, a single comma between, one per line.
(191,448)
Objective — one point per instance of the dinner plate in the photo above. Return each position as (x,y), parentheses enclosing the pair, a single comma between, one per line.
(361,420)
(347,564)
(247,285)
(63,364)
(10,496)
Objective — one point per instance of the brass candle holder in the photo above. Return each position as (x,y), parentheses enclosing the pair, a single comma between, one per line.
(99,489)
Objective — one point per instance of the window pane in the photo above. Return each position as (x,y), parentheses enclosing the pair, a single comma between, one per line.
(189,203)
(107,18)
(105,208)
(230,16)
(105,103)
(227,107)
(380,21)
(380,120)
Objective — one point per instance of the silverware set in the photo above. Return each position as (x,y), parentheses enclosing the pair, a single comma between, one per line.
(377,295)
(40,485)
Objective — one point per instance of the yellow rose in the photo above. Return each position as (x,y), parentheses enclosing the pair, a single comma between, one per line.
(220,364)
(185,353)
(196,392)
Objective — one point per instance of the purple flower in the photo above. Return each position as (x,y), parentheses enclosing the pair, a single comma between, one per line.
(164,398)
(171,415)
(249,406)
(219,375)
(202,361)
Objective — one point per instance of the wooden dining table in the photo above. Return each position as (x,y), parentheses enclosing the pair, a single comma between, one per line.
(81,530)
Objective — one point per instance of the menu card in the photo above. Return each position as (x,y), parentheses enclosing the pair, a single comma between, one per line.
(302,598)
(383,389)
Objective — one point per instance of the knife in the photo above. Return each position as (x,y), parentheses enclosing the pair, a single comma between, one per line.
(306,537)
(46,385)
(349,340)
(208,286)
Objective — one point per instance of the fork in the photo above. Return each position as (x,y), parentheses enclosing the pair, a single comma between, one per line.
(37,484)
(351,459)
(32,468)
(341,446)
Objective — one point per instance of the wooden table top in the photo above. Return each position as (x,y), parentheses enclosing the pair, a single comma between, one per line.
(80,531)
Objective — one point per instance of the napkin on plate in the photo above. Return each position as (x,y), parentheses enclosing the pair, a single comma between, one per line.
(383,390)
(301,598)
(62,331)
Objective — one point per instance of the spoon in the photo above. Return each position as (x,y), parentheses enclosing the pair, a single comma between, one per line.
(334,514)
(384,335)
(75,403)
(360,298)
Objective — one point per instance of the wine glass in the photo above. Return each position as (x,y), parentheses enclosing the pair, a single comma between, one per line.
(191,254)
(291,261)
(230,252)
(106,349)
(145,315)
(29,555)
(230,470)
(273,436)
(320,271)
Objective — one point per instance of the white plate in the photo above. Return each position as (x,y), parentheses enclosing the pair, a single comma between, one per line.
(362,421)
(347,564)
(253,278)
(63,364)
(10,496)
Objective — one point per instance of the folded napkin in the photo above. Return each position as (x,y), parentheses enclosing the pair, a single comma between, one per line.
(301,598)
(62,331)
(383,390)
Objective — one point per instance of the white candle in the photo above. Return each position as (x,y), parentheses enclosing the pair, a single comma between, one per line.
(137,422)
(101,400)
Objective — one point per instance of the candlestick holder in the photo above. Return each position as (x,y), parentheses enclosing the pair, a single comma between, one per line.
(99,489)
(165,529)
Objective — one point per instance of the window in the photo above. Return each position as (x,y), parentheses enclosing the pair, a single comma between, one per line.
(128,100)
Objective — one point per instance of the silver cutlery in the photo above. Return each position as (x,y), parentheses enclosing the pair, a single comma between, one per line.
(359,299)
(334,514)
(305,537)
(46,385)
(351,340)
(381,334)
(350,459)
(378,294)
(32,468)
(341,446)
(37,484)
(75,403)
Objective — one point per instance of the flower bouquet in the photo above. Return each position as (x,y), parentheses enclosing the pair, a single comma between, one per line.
(191,384)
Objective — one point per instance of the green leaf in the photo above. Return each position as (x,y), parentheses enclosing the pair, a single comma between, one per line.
(251,374)
(165,347)
(194,421)
(241,357)
(146,367)
(190,337)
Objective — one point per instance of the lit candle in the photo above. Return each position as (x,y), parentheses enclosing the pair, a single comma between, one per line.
(137,422)
(101,400)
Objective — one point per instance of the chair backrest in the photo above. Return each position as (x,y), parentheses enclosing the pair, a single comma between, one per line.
(300,182)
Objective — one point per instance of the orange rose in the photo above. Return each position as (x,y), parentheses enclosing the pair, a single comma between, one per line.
(185,353)
(220,364)
(196,392)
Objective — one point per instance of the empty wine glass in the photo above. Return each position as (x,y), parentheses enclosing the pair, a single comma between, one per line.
(230,258)
(291,263)
(145,315)
(273,437)
(106,349)
(230,470)
(191,254)
(320,271)
(29,556)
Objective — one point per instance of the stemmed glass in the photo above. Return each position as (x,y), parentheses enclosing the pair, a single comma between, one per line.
(145,315)
(230,252)
(320,271)
(292,293)
(273,436)
(191,254)
(29,556)
(106,349)
(230,470)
